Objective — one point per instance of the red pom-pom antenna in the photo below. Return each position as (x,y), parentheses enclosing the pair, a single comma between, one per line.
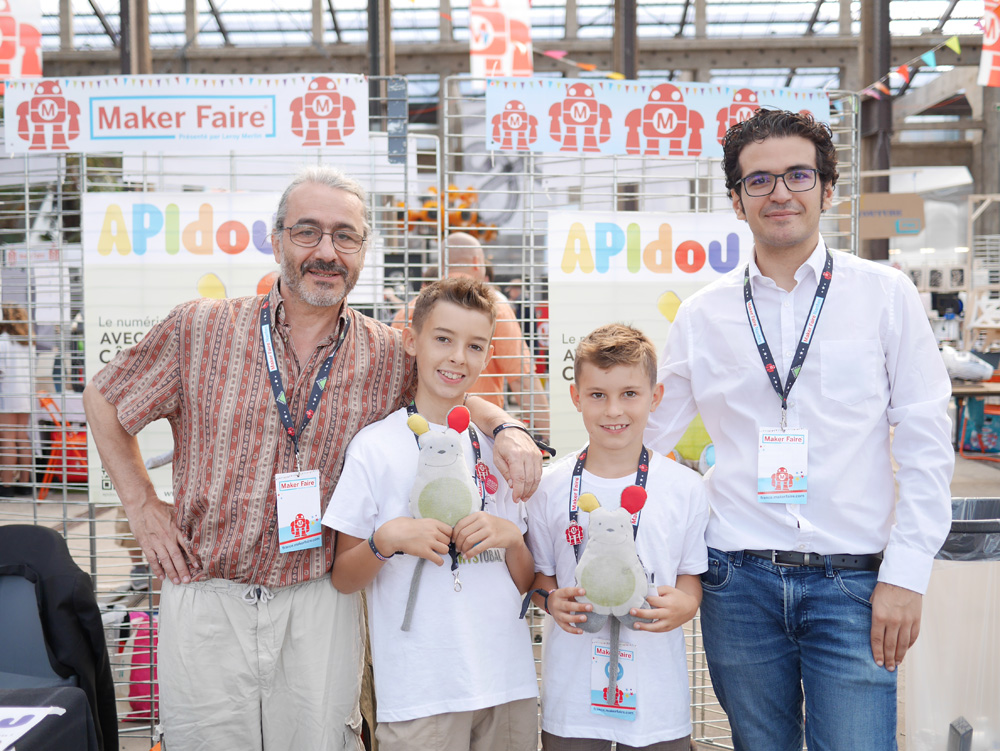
(633,499)
(458,418)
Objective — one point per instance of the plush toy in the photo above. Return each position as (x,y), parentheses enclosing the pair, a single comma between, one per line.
(443,489)
(610,570)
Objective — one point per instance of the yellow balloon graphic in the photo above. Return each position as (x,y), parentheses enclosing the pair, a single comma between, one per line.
(212,287)
(668,304)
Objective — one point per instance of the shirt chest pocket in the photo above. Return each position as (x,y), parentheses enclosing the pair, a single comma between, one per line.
(851,371)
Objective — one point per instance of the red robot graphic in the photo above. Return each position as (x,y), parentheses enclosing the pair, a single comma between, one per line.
(619,697)
(14,38)
(664,117)
(501,42)
(323,111)
(782,479)
(300,526)
(48,112)
(743,106)
(587,123)
(514,129)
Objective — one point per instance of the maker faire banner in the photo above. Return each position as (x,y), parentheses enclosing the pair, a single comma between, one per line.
(500,38)
(20,40)
(145,253)
(626,267)
(628,117)
(187,114)
(989,61)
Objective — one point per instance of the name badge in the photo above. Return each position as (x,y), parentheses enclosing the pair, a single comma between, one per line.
(299,526)
(622,706)
(782,463)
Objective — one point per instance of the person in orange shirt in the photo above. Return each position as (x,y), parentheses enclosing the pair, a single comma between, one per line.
(512,362)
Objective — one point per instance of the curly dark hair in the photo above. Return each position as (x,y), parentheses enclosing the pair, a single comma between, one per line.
(769,123)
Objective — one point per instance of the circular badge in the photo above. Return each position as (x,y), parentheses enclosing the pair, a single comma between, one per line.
(491,484)
(574,534)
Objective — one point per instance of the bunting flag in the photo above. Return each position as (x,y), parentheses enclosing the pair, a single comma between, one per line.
(929,59)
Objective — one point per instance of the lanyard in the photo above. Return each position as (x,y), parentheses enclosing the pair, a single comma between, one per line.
(641,473)
(278,389)
(808,329)
(411,409)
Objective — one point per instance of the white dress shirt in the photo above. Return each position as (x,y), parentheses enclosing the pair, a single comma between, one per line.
(873,363)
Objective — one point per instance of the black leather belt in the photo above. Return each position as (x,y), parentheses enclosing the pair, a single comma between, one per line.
(793,558)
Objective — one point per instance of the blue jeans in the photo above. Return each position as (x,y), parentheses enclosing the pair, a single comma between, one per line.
(774,634)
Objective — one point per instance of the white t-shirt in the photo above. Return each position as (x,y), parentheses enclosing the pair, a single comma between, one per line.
(465,650)
(670,542)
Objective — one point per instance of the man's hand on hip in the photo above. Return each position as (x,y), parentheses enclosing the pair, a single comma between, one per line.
(153,525)
(895,623)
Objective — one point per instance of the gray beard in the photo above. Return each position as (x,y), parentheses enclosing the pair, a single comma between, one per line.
(292,280)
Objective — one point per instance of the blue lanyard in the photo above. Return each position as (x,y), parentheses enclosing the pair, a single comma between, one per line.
(319,385)
(576,483)
(805,339)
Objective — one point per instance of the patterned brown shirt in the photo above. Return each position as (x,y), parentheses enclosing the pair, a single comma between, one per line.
(203,369)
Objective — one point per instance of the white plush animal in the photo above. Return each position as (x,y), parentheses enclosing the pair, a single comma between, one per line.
(443,489)
(609,569)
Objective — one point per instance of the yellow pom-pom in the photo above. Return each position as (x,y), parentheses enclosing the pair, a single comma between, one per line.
(588,502)
(417,424)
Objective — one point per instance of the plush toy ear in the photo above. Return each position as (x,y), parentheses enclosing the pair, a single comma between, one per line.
(417,424)
(458,418)
(633,499)
(588,502)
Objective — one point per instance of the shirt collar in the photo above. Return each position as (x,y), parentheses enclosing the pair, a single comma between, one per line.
(815,262)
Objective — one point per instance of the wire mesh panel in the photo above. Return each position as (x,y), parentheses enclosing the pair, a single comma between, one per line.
(44,463)
(515,193)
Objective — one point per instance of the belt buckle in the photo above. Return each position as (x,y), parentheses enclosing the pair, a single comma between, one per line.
(806,559)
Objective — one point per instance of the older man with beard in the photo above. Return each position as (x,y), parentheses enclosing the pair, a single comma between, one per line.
(257,650)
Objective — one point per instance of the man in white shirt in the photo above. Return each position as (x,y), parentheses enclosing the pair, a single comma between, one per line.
(799,364)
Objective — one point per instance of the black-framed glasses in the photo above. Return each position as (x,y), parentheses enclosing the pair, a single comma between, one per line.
(762,184)
(309,236)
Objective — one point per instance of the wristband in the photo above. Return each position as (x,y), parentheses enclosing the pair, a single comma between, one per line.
(542,446)
(526,603)
(383,558)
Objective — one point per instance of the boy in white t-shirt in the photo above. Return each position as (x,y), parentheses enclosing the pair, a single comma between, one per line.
(615,390)
(462,675)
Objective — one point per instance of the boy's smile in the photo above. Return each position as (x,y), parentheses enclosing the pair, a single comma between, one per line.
(615,405)
(451,347)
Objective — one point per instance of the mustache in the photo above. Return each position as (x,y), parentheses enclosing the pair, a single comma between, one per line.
(324,266)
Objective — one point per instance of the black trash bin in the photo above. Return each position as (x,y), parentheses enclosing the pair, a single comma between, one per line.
(952,673)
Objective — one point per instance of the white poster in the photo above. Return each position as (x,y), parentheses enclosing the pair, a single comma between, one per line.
(145,253)
(626,267)
(187,114)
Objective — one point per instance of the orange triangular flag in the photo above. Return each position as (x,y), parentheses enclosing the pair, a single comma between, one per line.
(586,66)
(883,88)
(904,71)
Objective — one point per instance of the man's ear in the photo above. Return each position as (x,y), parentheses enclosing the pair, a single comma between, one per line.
(737,197)
(275,238)
(827,197)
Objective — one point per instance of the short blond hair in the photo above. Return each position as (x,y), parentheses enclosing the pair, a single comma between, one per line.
(616,344)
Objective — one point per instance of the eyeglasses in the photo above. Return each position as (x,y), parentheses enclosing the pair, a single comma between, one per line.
(309,236)
(762,184)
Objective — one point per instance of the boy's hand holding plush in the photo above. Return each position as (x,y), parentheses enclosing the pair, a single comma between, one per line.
(565,609)
(481,531)
(670,608)
(424,538)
